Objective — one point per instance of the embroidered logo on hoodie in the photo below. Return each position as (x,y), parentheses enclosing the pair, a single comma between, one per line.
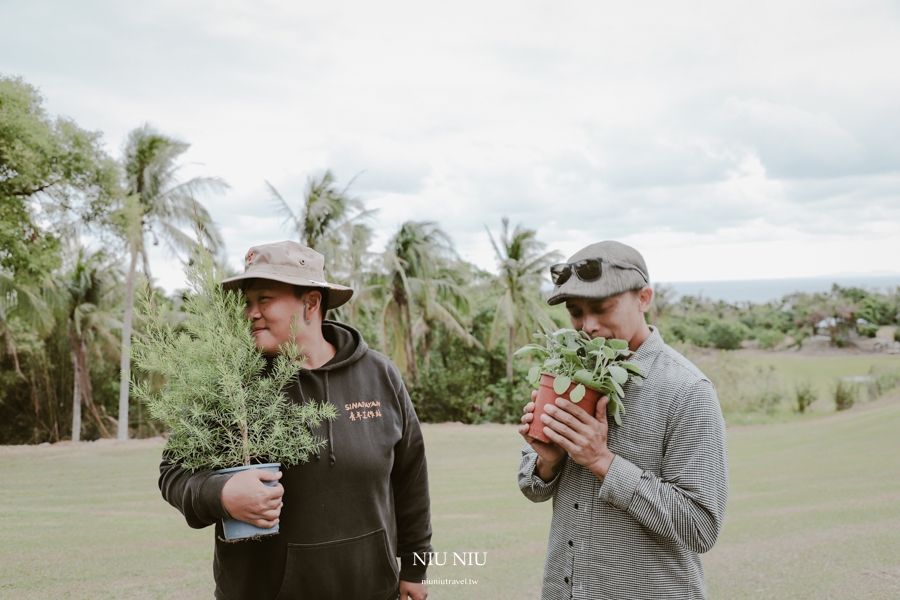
(355,415)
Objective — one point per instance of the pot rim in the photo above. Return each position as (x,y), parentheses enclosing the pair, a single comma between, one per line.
(590,387)
(245,467)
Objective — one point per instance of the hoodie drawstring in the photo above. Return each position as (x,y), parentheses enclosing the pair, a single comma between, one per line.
(331,457)
(330,421)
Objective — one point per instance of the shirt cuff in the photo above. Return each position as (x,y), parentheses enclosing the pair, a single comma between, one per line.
(412,570)
(620,483)
(210,498)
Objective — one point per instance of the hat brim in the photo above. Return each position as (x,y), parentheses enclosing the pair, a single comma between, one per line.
(338,295)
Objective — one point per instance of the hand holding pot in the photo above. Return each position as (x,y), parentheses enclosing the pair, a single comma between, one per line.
(550,456)
(248,499)
(582,436)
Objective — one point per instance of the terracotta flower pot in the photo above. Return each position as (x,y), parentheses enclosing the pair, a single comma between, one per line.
(546,395)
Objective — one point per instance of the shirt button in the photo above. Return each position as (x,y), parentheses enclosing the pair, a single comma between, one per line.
(576,505)
(570,543)
(567,580)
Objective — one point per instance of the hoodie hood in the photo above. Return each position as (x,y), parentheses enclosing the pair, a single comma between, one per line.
(348,343)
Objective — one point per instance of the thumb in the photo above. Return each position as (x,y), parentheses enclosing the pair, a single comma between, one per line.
(600,410)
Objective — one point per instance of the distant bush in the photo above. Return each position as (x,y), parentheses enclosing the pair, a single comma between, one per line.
(769,338)
(867,330)
(897,335)
(687,332)
(883,380)
(805,395)
(844,395)
(766,393)
(727,335)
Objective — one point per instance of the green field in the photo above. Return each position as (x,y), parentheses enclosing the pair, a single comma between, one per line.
(814,513)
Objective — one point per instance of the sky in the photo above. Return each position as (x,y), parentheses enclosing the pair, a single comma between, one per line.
(724,140)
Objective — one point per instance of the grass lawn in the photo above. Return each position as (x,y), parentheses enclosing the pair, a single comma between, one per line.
(814,513)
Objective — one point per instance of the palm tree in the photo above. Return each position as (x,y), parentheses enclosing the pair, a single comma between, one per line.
(522,263)
(417,282)
(89,297)
(330,221)
(157,206)
(23,301)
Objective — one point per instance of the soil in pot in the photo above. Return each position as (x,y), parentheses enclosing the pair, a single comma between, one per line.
(546,395)
(238,530)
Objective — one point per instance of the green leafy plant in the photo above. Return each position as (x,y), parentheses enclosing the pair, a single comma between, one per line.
(805,394)
(222,405)
(572,355)
(844,395)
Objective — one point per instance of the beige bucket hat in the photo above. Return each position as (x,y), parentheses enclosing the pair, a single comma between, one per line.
(289,262)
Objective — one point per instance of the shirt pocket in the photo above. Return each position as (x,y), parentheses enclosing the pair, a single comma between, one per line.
(358,567)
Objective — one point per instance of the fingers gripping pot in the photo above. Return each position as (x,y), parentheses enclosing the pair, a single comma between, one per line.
(547,394)
(238,530)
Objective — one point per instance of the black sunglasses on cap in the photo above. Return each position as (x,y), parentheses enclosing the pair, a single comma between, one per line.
(589,269)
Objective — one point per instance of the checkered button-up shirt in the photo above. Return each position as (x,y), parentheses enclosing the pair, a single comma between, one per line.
(639,532)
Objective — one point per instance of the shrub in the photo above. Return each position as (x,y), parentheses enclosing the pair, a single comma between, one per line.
(867,330)
(727,335)
(687,332)
(897,334)
(844,395)
(805,395)
(769,338)
(883,380)
(766,393)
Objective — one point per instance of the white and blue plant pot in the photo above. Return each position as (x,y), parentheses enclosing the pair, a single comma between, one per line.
(238,530)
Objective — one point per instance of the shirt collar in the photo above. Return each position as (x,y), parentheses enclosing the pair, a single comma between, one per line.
(651,346)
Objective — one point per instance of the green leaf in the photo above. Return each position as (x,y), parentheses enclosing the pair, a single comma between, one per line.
(583,376)
(561,384)
(617,417)
(618,374)
(609,352)
(633,367)
(617,344)
(577,394)
(534,374)
(618,387)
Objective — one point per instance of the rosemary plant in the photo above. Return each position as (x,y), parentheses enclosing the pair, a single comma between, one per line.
(221,406)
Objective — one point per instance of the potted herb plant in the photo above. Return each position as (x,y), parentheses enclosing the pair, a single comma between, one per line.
(224,409)
(579,368)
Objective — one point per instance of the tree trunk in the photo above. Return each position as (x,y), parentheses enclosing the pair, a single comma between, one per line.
(83,391)
(76,402)
(411,365)
(510,341)
(125,369)
(11,348)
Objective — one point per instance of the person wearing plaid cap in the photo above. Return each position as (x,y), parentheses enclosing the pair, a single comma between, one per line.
(634,504)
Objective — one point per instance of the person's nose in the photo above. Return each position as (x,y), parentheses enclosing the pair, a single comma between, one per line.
(591,326)
(251,311)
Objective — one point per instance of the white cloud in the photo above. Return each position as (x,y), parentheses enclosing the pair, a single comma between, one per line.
(703,132)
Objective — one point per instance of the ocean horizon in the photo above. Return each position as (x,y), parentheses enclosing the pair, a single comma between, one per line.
(760,291)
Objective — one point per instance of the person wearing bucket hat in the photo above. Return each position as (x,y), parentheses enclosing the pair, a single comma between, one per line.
(345,517)
(633,504)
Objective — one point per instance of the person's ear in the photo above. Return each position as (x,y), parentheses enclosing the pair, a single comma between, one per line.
(644,298)
(313,301)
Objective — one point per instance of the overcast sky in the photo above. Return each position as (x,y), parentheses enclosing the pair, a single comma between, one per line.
(724,140)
